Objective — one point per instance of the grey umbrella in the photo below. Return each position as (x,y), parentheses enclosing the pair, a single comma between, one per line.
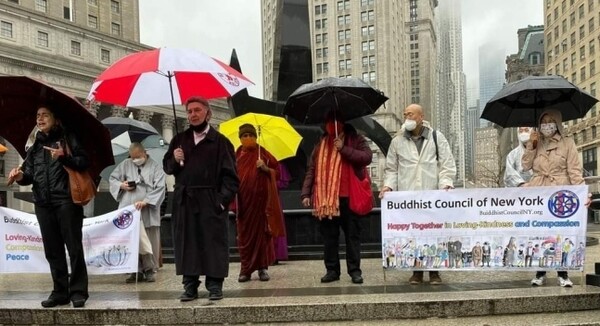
(522,102)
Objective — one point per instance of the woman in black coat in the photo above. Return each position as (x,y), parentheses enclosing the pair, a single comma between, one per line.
(59,218)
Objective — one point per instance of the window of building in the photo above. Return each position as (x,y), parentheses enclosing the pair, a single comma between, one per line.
(371,30)
(341,50)
(14,1)
(319,53)
(115,6)
(582,52)
(318,24)
(365,76)
(319,68)
(364,31)
(556,32)
(75,48)
(324,22)
(593,89)
(325,52)
(572,19)
(346,4)
(371,15)
(564,26)
(93,2)
(342,64)
(348,49)
(347,19)
(105,55)
(317,9)
(573,40)
(582,73)
(324,38)
(372,76)
(594,131)
(340,5)
(591,6)
(341,35)
(563,6)
(348,64)
(556,51)
(318,38)
(67,13)
(581,11)
(548,21)
(372,45)
(564,68)
(557,69)
(573,59)
(555,13)
(363,3)
(592,68)
(41,5)
(6,29)
(581,32)
(42,39)
(92,21)
(115,29)
(363,16)
(365,46)
(324,9)
(325,67)
(534,58)
(365,62)
(591,25)
(340,20)
(574,78)
(372,61)
(348,34)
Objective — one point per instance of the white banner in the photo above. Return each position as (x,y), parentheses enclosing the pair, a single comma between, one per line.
(110,242)
(540,228)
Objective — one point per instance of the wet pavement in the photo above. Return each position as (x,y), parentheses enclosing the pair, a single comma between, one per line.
(295,294)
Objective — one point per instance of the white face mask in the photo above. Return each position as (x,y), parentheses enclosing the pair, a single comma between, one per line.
(548,129)
(410,125)
(523,137)
(139,161)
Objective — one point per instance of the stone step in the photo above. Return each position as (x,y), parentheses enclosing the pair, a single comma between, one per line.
(284,306)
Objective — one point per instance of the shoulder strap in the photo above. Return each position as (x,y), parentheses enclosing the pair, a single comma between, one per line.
(437,154)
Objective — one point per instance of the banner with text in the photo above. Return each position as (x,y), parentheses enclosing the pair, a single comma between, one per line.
(538,228)
(110,242)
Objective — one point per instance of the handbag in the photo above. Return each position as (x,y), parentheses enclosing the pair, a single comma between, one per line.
(360,194)
(81,184)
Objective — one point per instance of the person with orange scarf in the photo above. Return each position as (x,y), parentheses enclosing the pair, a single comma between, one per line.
(341,151)
(259,216)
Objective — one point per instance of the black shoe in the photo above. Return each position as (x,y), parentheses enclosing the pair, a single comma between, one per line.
(330,277)
(263,275)
(356,279)
(188,296)
(135,276)
(215,295)
(51,302)
(78,303)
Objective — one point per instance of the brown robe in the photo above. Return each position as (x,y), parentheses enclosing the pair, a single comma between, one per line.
(259,215)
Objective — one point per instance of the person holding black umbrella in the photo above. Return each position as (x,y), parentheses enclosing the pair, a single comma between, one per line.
(59,218)
(340,152)
(554,160)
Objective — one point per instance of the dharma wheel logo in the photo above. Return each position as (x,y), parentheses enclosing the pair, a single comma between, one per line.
(123,220)
(563,203)
(229,79)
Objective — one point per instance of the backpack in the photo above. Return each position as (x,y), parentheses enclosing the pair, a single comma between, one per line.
(437,154)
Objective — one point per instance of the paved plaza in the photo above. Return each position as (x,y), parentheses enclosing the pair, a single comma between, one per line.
(295,295)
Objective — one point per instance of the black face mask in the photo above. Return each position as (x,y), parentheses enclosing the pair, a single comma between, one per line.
(200,127)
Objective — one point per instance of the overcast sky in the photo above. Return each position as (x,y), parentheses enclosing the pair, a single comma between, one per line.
(216,27)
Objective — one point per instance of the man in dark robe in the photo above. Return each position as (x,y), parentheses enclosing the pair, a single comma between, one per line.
(203,163)
(259,215)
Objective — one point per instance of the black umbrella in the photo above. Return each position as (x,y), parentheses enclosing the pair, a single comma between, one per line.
(20,98)
(349,97)
(520,103)
(136,130)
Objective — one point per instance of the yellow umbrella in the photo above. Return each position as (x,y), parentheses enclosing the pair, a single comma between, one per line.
(3,149)
(275,134)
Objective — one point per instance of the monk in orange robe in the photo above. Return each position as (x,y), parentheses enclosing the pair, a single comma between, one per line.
(259,215)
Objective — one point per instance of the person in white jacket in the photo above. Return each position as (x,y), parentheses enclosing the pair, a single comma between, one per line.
(418,158)
(514,176)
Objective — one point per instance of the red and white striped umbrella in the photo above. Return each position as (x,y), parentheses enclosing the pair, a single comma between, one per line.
(166,76)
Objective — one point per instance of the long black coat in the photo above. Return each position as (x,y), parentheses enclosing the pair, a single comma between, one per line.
(207,180)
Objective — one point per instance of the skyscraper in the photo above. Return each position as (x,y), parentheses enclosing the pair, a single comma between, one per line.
(449,114)
(491,74)
(571,38)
